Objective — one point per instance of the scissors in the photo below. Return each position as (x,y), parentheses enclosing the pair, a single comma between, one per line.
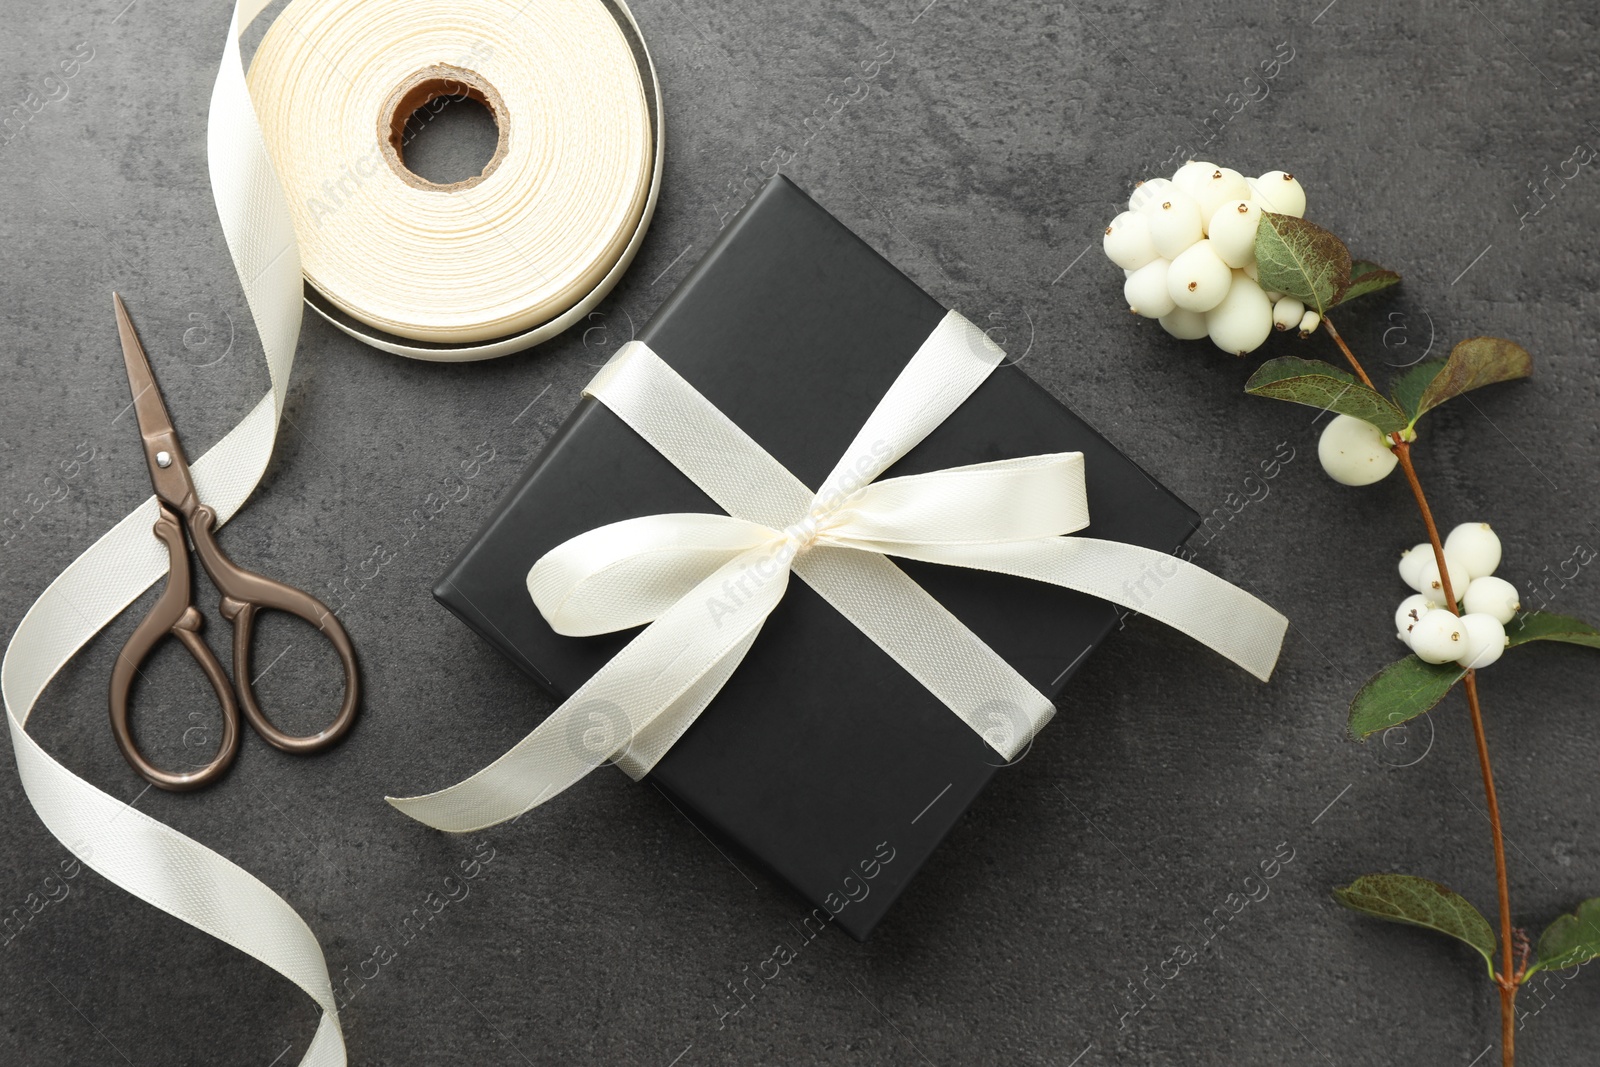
(244,594)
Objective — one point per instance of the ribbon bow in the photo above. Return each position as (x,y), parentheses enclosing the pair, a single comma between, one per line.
(705,584)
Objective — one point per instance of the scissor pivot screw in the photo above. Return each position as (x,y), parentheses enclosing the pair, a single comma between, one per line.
(163,459)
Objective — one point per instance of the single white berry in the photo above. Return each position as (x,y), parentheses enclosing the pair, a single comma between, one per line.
(1485,640)
(1127,241)
(1278,192)
(1287,312)
(1146,191)
(1354,452)
(1175,222)
(1232,230)
(1221,186)
(1412,560)
(1438,637)
(1489,595)
(1411,609)
(1184,324)
(1146,290)
(1244,318)
(1199,279)
(1477,546)
(1433,585)
(1309,323)
(1194,176)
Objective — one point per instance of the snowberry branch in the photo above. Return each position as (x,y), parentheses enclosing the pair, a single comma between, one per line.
(1212,253)
(1507,980)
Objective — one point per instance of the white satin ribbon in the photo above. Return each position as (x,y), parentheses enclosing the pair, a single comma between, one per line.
(705,584)
(133,851)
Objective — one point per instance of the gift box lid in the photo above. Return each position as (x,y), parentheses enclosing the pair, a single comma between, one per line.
(822,758)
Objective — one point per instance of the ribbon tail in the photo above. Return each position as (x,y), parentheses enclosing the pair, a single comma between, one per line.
(632,709)
(1170,590)
(652,742)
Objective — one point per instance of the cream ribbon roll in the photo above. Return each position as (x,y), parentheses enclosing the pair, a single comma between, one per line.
(499,261)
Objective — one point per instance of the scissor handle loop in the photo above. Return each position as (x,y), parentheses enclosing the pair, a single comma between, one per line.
(245,595)
(173,615)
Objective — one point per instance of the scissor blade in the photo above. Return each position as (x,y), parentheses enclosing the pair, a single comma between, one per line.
(171,481)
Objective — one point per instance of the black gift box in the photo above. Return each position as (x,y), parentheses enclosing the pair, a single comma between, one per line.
(822,758)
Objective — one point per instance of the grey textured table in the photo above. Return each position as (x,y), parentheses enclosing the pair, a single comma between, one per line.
(983,158)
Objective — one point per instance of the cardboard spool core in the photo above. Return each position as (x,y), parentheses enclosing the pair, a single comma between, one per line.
(424,87)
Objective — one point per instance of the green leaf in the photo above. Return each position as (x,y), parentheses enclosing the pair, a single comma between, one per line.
(1409,387)
(1301,259)
(1404,898)
(1401,691)
(1361,267)
(1322,385)
(1473,364)
(1546,626)
(1570,940)
(1367,277)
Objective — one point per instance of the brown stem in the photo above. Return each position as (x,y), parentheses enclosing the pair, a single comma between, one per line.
(1507,979)
(1361,372)
(1402,451)
(1508,973)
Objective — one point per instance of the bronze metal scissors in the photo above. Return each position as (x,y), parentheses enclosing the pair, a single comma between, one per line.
(244,594)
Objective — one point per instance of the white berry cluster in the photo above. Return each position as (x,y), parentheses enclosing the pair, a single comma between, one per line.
(1477,636)
(1187,248)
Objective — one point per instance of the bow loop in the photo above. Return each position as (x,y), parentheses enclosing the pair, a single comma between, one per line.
(628,573)
(983,503)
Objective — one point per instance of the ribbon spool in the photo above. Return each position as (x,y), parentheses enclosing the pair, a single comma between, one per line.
(497,262)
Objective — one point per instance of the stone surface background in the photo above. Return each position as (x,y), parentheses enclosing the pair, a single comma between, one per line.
(983,157)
